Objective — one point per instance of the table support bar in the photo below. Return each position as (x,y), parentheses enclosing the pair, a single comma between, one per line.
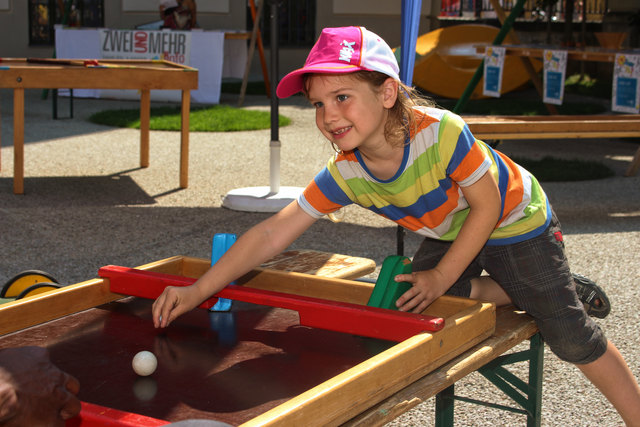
(526,394)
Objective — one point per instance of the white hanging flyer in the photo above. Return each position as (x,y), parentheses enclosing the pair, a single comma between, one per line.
(493,67)
(626,86)
(555,69)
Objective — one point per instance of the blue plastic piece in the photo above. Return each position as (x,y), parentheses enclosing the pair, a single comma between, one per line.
(221,243)
(224,323)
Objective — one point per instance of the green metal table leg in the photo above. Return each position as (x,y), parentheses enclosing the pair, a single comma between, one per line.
(444,407)
(536,365)
(528,395)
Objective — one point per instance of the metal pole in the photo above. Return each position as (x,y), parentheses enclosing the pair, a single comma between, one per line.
(410,27)
(274,145)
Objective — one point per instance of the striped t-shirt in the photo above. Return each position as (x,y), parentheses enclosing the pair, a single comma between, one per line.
(424,195)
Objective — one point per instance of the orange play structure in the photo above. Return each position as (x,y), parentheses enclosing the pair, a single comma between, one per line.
(446,59)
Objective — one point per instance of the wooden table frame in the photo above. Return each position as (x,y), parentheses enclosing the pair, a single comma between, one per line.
(552,127)
(144,75)
(467,323)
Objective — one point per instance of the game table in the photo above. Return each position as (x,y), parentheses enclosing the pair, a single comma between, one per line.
(144,75)
(253,365)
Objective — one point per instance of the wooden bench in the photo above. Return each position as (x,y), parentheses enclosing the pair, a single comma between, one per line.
(557,127)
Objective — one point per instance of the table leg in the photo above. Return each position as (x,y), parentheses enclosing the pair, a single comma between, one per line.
(536,367)
(634,165)
(528,395)
(444,407)
(184,139)
(18,141)
(54,103)
(145,113)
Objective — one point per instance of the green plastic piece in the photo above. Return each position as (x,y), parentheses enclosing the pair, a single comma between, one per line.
(387,290)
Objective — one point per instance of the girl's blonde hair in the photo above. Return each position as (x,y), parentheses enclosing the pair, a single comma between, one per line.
(401,122)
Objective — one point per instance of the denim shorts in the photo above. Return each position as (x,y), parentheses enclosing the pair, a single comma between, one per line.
(536,276)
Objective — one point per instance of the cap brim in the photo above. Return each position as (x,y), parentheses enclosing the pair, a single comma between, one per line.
(290,84)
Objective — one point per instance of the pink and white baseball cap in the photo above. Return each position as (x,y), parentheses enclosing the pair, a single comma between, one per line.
(342,50)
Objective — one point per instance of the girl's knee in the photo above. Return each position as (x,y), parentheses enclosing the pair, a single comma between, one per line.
(575,342)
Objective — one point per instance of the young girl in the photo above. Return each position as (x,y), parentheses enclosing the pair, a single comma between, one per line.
(421,167)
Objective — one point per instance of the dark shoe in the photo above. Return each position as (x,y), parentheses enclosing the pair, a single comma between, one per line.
(595,301)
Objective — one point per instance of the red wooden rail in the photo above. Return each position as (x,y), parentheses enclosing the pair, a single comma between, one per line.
(92,415)
(314,312)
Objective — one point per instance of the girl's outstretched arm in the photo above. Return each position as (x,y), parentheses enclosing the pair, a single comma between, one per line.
(259,244)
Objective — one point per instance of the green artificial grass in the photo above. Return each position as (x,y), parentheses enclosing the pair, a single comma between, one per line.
(583,84)
(551,169)
(217,118)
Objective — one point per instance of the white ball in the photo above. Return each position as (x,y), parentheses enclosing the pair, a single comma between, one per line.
(144,363)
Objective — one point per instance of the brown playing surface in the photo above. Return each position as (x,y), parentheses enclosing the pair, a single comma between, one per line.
(228,366)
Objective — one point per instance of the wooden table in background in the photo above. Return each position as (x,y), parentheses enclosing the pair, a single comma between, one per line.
(144,75)
(591,54)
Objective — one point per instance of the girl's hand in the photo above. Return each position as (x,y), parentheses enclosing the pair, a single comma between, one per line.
(427,286)
(262,242)
(173,302)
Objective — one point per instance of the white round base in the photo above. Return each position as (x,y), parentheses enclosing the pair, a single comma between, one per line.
(260,199)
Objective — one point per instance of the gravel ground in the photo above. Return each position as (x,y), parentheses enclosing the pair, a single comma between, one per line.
(88,204)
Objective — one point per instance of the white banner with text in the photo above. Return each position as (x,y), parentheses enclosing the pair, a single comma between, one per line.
(174,46)
(204,50)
